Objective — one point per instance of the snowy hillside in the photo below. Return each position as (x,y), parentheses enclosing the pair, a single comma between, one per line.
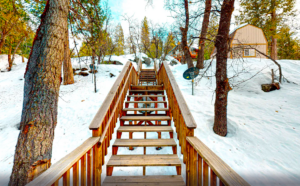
(262,145)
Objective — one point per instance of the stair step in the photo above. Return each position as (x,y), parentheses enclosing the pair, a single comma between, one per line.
(144,181)
(145,129)
(146,96)
(156,91)
(145,109)
(149,87)
(144,142)
(145,118)
(143,160)
(146,102)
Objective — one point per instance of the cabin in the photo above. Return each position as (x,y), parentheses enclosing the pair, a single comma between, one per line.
(243,41)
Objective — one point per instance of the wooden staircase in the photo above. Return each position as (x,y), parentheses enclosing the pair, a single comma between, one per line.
(141,113)
(138,100)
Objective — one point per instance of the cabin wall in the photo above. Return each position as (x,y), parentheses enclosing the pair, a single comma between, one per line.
(238,51)
(249,35)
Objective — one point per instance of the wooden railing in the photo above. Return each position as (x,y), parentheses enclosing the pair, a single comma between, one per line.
(182,117)
(89,157)
(197,157)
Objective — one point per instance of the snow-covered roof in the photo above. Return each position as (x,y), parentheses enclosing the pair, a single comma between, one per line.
(238,27)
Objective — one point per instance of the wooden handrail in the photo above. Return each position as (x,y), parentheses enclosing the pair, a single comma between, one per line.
(195,153)
(52,175)
(185,111)
(219,168)
(106,105)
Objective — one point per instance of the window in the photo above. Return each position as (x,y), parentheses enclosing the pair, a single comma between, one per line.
(249,52)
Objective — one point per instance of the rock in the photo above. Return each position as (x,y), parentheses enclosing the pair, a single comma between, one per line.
(173,62)
(84,69)
(83,73)
(270,87)
(147,61)
(111,75)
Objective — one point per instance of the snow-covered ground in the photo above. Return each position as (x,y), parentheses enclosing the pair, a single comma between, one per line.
(262,145)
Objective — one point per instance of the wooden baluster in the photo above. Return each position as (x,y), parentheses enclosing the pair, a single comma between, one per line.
(130,135)
(89,168)
(193,167)
(66,178)
(205,174)
(188,167)
(83,170)
(56,183)
(76,174)
(96,165)
(221,183)
(213,178)
(199,170)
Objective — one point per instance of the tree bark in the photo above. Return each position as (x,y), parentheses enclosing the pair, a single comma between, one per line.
(9,59)
(200,59)
(41,90)
(222,89)
(2,41)
(274,39)
(68,70)
(13,58)
(184,31)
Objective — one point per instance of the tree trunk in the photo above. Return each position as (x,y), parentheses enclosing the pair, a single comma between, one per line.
(23,60)
(2,41)
(17,47)
(274,39)
(184,31)
(200,59)
(41,90)
(68,70)
(221,44)
(9,59)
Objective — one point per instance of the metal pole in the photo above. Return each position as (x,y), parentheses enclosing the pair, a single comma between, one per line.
(193,87)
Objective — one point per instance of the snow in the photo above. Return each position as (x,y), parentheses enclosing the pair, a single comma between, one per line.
(238,27)
(263,141)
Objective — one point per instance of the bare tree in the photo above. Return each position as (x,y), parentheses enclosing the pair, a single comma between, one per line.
(222,89)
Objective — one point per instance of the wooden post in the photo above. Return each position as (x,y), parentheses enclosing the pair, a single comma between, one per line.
(89,168)
(66,178)
(83,170)
(76,174)
(199,170)
(205,174)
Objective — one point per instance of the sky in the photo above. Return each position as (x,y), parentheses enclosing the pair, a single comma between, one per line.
(156,13)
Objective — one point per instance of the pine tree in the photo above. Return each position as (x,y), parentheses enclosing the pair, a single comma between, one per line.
(145,35)
(268,15)
(119,40)
(287,45)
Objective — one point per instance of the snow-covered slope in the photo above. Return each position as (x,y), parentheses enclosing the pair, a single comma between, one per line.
(263,142)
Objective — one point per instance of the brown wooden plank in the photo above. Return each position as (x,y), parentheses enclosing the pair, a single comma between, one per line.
(145,184)
(89,168)
(145,109)
(143,160)
(145,118)
(76,174)
(185,111)
(144,142)
(55,172)
(145,129)
(145,102)
(213,178)
(137,91)
(199,170)
(141,179)
(66,178)
(99,117)
(83,170)
(220,168)
(146,96)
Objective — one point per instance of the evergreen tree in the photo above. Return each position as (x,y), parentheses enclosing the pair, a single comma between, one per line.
(119,40)
(145,35)
(287,45)
(268,15)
